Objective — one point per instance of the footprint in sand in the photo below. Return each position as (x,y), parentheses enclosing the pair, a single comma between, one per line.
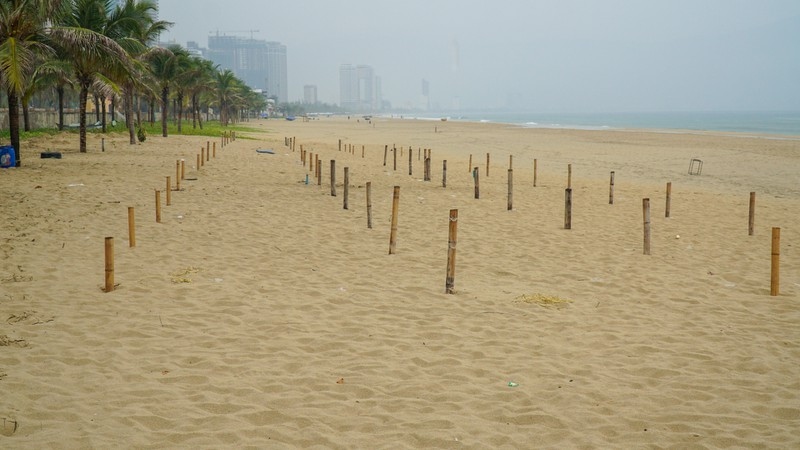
(9,427)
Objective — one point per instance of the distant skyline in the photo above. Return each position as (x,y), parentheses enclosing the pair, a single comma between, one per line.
(565,56)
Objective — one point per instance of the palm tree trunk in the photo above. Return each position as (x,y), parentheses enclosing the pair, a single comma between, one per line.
(180,111)
(60,91)
(83,98)
(96,108)
(103,107)
(127,104)
(164,110)
(13,124)
(26,117)
(195,111)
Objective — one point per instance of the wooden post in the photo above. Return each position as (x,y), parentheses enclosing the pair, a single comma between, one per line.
(169,191)
(611,189)
(215,149)
(475,176)
(362,151)
(102,144)
(369,204)
(569,176)
(202,156)
(510,189)
(444,173)
(158,206)
(178,175)
(568,209)
(131,227)
(646,216)
(510,161)
(294,141)
(340,145)
(452,234)
(775,272)
(198,161)
(183,169)
(394,154)
(427,169)
(395,206)
(319,174)
(109,278)
(346,187)
(470,162)
(669,198)
(487,164)
(534,172)
(410,160)
(385,153)
(208,150)
(752,219)
(333,178)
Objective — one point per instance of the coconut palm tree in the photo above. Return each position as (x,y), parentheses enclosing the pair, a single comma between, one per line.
(23,35)
(83,35)
(166,67)
(56,72)
(200,79)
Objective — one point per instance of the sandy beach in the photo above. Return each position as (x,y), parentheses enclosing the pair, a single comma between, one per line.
(262,314)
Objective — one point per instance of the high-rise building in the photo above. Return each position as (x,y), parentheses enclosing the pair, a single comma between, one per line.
(359,88)
(260,64)
(310,94)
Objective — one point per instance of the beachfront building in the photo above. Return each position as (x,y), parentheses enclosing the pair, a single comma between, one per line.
(260,64)
(310,94)
(359,88)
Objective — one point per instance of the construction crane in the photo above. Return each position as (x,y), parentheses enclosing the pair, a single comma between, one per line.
(235,31)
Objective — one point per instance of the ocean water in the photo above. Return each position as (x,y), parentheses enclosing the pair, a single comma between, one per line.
(771,123)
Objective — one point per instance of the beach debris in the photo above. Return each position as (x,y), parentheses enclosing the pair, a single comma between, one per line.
(513,384)
(9,427)
(182,275)
(543,300)
(340,381)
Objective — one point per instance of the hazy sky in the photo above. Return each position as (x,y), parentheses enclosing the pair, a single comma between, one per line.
(546,56)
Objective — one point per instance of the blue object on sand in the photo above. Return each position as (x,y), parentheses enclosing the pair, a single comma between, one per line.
(7,157)
(266,150)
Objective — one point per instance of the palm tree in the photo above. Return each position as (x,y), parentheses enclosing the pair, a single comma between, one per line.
(23,35)
(81,34)
(200,79)
(166,66)
(225,91)
(56,72)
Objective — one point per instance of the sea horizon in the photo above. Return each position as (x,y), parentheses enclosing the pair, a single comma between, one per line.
(778,123)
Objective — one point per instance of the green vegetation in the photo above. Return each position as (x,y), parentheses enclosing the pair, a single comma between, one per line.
(103,51)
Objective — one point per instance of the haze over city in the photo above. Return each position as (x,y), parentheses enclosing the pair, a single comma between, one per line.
(569,56)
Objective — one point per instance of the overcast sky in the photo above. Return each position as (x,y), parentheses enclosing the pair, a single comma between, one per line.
(545,56)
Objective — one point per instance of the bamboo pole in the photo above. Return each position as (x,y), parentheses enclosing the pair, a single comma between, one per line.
(346,187)
(510,161)
(669,199)
(534,172)
(102,144)
(333,178)
(131,227)
(394,154)
(452,234)
(775,268)
(395,207)
(319,174)
(487,164)
(646,220)
(198,161)
(385,153)
(568,208)
(340,145)
(427,169)
(202,156)
(208,150)
(183,169)
(215,149)
(444,173)
(569,176)
(751,223)
(109,254)
(169,191)
(510,189)
(410,160)
(476,176)
(470,162)
(178,175)
(611,189)
(369,204)
(158,206)
(363,152)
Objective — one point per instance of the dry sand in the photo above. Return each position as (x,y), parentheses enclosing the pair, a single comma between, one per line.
(261,313)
